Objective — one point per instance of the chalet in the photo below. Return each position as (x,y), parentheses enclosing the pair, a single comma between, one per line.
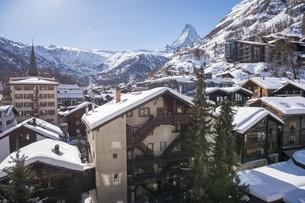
(27,132)
(138,135)
(264,86)
(291,89)
(58,172)
(69,95)
(258,134)
(246,51)
(282,182)
(7,117)
(235,94)
(184,84)
(73,118)
(292,111)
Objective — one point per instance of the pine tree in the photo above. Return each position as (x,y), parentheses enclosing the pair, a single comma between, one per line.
(225,183)
(20,187)
(197,146)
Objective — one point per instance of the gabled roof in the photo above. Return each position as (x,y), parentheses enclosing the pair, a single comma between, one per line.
(247,117)
(228,90)
(286,105)
(43,151)
(272,83)
(78,107)
(42,127)
(111,110)
(296,84)
(7,109)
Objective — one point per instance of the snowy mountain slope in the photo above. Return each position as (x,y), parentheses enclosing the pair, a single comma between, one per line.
(131,65)
(79,63)
(248,19)
(188,37)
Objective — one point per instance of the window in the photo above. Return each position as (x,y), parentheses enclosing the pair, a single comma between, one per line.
(150,146)
(19,104)
(43,96)
(163,146)
(43,87)
(78,131)
(51,96)
(129,114)
(116,177)
(292,125)
(27,137)
(51,112)
(144,111)
(28,87)
(77,123)
(177,128)
(50,87)
(43,112)
(238,97)
(114,155)
(28,104)
(18,96)
(18,87)
(51,103)
(43,104)
(0,123)
(179,109)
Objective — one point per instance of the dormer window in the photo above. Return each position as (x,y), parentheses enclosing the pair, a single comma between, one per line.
(144,112)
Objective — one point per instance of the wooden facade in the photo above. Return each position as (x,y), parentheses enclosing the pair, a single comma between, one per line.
(238,96)
(261,142)
(55,184)
(258,91)
(290,89)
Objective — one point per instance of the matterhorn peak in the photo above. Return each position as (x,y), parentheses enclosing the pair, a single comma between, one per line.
(187,37)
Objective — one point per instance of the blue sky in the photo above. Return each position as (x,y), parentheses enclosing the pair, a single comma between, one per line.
(108,24)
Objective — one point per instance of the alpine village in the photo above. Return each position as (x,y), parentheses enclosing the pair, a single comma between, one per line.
(218,118)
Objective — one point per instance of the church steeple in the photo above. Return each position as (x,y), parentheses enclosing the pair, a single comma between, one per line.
(33,69)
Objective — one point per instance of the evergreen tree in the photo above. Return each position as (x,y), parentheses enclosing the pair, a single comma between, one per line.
(197,146)
(20,188)
(225,183)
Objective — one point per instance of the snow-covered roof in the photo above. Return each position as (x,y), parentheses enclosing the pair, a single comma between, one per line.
(43,151)
(286,105)
(228,90)
(7,109)
(296,84)
(66,91)
(272,182)
(270,82)
(78,107)
(128,101)
(252,42)
(295,196)
(179,78)
(34,81)
(47,129)
(247,117)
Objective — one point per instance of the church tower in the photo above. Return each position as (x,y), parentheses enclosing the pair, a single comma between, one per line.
(33,69)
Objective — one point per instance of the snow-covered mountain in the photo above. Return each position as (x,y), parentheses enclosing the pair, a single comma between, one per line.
(249,18)
(79,63)
(188,37)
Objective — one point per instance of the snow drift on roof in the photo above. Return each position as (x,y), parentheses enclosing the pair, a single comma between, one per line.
(34,81)
(270,183)
(270,82)
(286,105)
(43,151)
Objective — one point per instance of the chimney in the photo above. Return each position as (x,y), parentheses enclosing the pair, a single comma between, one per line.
(93,107)
(56,149)
(34,121)
(87,110)
(117,94)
